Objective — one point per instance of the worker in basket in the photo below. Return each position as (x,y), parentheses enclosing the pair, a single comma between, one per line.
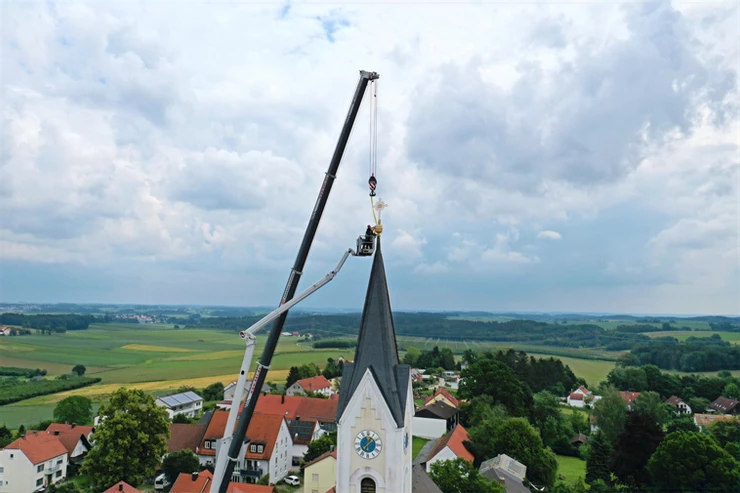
(369,234)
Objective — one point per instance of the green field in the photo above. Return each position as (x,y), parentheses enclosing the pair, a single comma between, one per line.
(417,443)
(571,468)
(733,337)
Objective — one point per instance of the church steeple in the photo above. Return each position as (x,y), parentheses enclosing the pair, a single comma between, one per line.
(377,350)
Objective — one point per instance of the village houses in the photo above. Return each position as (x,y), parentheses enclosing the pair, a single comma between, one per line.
(32,463)
(188,403)
(317,384)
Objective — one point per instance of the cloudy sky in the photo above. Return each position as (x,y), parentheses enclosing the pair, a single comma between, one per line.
(534,156)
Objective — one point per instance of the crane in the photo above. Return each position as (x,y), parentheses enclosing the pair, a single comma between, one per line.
(221,479)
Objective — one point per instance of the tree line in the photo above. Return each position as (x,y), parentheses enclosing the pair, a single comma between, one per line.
(48,322)
(695,354)
(15,390)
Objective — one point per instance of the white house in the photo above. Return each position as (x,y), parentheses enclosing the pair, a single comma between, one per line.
(678,404)
(187,403)
(230,389)
(269,450)
(303,432)
(582,397)
(32,463)
(317,384)
(448,447)
(76,439)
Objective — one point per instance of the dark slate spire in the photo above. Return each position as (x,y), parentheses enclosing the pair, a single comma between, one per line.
(376,347)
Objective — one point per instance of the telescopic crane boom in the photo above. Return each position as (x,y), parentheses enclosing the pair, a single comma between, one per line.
(293,280)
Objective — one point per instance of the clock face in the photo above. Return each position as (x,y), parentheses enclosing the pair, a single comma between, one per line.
(368,444)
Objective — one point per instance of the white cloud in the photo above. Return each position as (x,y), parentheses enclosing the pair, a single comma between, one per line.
(134,138)
(550,235)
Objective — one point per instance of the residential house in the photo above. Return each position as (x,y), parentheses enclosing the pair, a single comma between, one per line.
(317,384)
(303,433)
(581,397)
(320,474)
(324,411)
(336,384)
(5,330)
(703,421)
(122,487)
(444,396)
(267,452)
(188,403)
(578,440)
(75,438)
(416,375)
(32,463)
(725,406)
(629,397)
(448,447)
(678,404)
(201,482)
(230,389)
(185,436)
(435,419)
(507,471)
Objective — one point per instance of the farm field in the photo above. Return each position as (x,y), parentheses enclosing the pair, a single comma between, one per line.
(732,337)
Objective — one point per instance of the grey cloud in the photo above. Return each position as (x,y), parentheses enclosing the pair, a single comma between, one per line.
(549,33)
(583,124)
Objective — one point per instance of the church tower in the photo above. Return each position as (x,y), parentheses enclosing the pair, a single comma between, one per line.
(375,402)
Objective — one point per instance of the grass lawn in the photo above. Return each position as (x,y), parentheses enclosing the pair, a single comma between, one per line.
(417,443)
(571,468)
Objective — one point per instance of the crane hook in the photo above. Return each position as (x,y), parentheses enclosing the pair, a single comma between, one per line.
(373,183)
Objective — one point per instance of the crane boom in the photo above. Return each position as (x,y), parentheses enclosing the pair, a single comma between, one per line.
(293,279)
(251,340)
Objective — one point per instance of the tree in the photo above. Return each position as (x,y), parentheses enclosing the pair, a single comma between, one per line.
(320,446)
(726,432)
(494,378)
(579,423)
(555,429)
(731,391)
(411,356)
(79,370)
(183,461)
(447,359)
(698,404)
(693,462)
(21,431)
(67,487)
(517,438)
(75,409)
(634,446)
(650,404)
(682,422)
(293,376)
(610,412)
(129,441)
(597,464)
(214,392)
(5,436)
(180,418)
(459,476)
(482,436)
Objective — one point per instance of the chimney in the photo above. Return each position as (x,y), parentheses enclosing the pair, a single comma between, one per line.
(56,432)
(195,476)
(282,401)
(297,418)
(120,486)
(74,424)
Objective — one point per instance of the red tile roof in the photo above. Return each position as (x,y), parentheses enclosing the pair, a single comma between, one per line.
(708,419)
(250,488)
(630,396)
(38,446)
(321,457)
(293,406)
(185,436)
(674,401)
(454,440)
(584,390)
(122,486)
(575,396)
(264,428)
(185,484)
(314,383)
(69,435)
(443,392)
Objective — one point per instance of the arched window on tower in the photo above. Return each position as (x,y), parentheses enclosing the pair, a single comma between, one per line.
(367,485)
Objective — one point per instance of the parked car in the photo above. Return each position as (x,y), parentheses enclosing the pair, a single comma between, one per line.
(161,482)
(293,480)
